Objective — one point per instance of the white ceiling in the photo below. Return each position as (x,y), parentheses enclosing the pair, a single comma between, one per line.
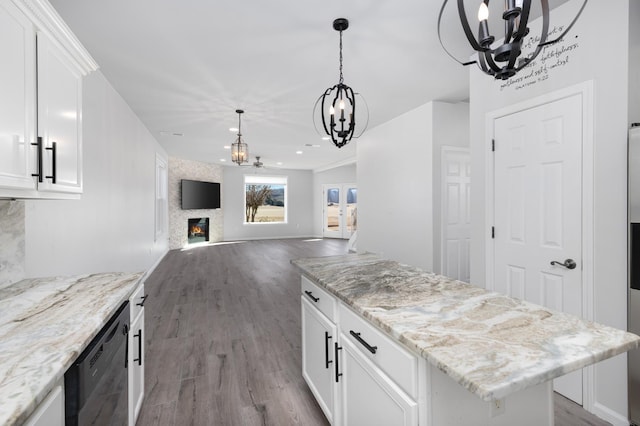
(186,66)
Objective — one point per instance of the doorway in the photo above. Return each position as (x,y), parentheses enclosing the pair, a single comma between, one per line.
(541,210)
(340,210)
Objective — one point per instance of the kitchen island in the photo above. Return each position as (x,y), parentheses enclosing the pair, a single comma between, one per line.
(461,339)
(45,323)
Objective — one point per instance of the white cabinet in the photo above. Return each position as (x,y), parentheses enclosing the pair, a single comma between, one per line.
(50,412)
(17,102)
(354,382)
(41,102)
(318,337)
(369,397)
(59,118)
(136,354)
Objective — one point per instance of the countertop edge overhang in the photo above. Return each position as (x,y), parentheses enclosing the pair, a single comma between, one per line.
(45,323)
(491,344)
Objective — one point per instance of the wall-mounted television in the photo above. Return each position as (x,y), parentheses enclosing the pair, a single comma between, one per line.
(200,195)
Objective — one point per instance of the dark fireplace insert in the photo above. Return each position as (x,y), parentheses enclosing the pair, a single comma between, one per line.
(198,230)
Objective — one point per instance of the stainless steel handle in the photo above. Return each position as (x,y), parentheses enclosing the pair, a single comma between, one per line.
(568,263)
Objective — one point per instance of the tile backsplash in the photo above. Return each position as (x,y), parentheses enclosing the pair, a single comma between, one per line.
(12,235)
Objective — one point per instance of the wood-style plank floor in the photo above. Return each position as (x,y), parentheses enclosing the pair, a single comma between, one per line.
(223,338)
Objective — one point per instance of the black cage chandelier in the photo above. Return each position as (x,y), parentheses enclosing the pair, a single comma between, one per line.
(239,149)
(338,104)
(504,61)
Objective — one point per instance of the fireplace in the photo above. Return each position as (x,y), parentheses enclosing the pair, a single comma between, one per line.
(198,230)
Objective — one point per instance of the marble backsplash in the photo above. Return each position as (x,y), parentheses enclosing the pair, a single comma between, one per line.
(12,237)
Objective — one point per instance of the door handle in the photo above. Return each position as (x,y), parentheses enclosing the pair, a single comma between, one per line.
(568,263)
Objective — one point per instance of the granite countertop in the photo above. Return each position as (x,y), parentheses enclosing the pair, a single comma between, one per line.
(45,323)
(491,344)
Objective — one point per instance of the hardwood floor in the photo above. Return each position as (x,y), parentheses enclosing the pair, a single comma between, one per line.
(223,338)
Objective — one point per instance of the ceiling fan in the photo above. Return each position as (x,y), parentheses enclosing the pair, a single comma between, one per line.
(256,164)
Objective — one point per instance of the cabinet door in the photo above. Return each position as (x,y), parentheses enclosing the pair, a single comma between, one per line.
(59,118)
(136,367)
(368,396)
(50,412)
(17,98)
(318,335)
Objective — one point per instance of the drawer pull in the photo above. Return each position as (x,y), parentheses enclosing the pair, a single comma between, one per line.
(337,348)
(143,298)
(54,167)
(139,336)
(326,349)
(308,293)
(370,348)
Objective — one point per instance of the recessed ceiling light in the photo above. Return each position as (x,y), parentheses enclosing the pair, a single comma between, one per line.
(279,163)
(227,147)
(223,160)
(298,152)
(233,129)
(325,138)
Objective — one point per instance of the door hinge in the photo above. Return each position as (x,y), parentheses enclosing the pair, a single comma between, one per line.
(493,232)
(493,145)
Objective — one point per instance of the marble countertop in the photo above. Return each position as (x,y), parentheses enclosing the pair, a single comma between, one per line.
(45,323)
(491,344)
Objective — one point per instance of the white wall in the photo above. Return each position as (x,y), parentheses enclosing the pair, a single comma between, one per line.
(178,219)
(399,182)
(299,205)
(634,62)
(395,195)
(603,27)
(342,174)
(112,227)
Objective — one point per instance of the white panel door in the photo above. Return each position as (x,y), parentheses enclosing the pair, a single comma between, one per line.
(538,211)
(456,217)
(17,98)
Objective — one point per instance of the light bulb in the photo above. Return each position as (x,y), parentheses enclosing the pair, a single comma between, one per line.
(483,12)
(332,110)
(341,103)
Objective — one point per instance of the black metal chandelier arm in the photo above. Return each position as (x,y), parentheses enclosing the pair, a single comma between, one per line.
(442,44)
(489,62)
(524,19)
(566,30)
(467,29)
(341,77)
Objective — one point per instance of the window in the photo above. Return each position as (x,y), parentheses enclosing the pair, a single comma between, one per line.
(265,199)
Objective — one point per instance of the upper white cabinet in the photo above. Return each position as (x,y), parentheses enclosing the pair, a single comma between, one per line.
(59,118)
(17,103)
(41,114)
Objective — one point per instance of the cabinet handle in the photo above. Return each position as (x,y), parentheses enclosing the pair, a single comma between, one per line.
(39,145)
(125,330)
(308,293)
(336,349)
(142,302)
(370,348)
(54,151)
(326,349)
(139,336)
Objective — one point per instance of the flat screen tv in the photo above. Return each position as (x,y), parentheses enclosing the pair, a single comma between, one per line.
(200,195)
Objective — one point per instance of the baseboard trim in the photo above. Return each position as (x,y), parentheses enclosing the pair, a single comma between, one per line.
(155,265)
(613,417)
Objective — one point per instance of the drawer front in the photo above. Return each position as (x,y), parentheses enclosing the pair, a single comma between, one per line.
(319,298)
(395,361)
(136,302)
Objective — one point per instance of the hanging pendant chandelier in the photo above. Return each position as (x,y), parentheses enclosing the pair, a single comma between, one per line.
(338,104)
(239,149)
(504,61)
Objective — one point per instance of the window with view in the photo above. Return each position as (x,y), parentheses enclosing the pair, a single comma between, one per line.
(265,199)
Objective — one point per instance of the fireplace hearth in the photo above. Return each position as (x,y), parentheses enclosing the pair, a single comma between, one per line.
(198,230)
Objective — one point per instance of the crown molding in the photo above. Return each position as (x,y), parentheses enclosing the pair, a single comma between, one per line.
(47,20)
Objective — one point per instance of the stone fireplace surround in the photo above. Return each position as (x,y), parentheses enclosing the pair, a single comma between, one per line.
(178,219)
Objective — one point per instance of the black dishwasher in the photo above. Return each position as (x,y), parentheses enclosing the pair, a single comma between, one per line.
(96,389)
